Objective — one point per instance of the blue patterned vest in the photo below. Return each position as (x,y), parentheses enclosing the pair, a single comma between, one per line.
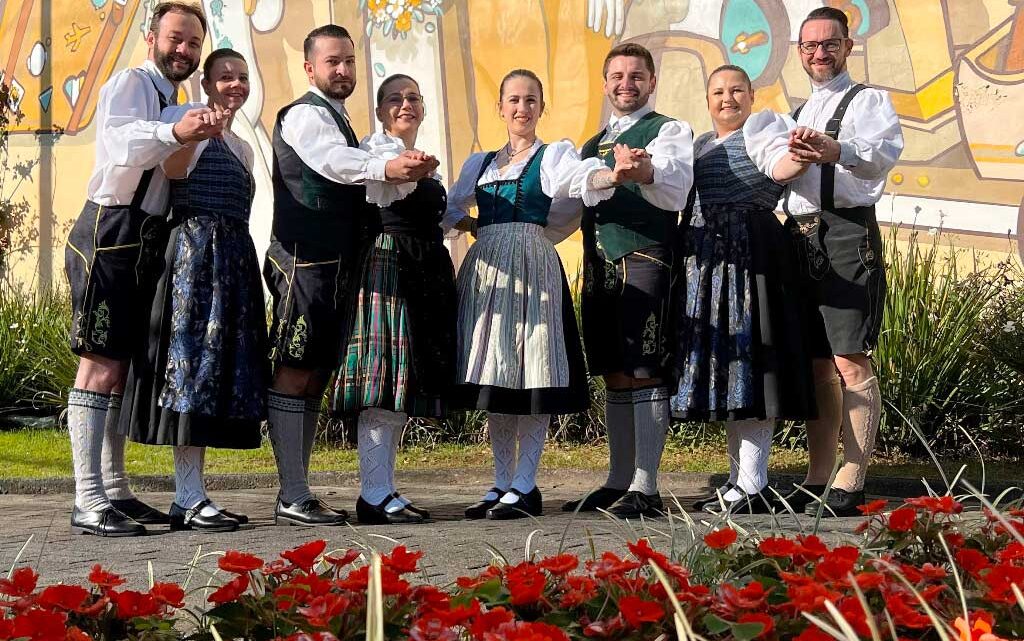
(727,176)
(219,184)
(518,200)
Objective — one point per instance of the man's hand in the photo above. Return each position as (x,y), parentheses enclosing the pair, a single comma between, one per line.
(410,166)
(635,165)
(812,147)
(200,124)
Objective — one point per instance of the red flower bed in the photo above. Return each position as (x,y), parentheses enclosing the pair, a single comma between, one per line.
(923,571)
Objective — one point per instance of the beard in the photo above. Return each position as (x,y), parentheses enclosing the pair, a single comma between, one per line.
(165,63)
(823,75)
(336,91)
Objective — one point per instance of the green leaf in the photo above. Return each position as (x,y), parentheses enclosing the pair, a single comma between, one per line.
(715,625)
(488,592)
(746,631)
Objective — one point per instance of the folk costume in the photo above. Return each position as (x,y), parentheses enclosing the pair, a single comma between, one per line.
(519,354)
(399,358)
(628,253)
(112,260)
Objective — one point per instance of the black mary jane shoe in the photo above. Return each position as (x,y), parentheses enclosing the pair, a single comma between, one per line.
(712,500)
(106,522)
(747,504)
(241,518)
(412,508)
(798,499)
(479,509)
(600,499)
(368,514)
(139,512)
(193,519)
(528,504)
(635,504)
(839,503)
(309,512)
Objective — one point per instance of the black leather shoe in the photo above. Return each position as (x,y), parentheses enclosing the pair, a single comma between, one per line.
(309,512)
(600,499)
(105,522)
(192,519)
(479,509)
(839,503)
(376,514)
(712,500)
(140,512)
(528,504)
(798,499)
(747,504)
(412,508)
(241,518)
(633,505)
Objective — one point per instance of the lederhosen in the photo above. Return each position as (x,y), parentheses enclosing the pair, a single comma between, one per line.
(627,270)
(112,260)
(841,259)
(319,227)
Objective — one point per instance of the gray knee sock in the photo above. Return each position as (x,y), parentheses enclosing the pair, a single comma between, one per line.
(115,478)
(651,416)
(532,431)
(503,431)
(285,414)
(310,422)
(87,413)
(618,412)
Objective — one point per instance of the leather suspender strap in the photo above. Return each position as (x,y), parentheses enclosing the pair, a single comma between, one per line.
(147,176)
(828,170)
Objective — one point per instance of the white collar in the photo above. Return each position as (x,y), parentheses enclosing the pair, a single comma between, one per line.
(839,84)
(339,105)
(164,86)
(628,120)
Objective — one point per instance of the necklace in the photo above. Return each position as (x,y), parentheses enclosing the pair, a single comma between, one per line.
(511,154)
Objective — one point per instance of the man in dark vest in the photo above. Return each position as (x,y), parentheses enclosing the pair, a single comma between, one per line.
(320,217)
(849,137)
(628,236)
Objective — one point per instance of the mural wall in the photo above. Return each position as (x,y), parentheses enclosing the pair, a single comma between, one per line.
(955,69)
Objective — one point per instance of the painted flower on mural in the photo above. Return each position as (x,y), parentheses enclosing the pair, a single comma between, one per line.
(396,18)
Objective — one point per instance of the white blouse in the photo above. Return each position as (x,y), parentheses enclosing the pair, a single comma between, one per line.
(559,175)
(238,147)
(386,147)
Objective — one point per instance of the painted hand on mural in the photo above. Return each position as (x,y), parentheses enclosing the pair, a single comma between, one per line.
(609,14)
(812,147)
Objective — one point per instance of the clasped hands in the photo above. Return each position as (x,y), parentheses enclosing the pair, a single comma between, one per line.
(809,147)
(632,165)
(201,124)
(410,166)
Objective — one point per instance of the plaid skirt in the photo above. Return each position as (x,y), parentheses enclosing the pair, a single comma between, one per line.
(400,351)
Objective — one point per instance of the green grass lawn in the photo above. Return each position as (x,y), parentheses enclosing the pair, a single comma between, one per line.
(46,453)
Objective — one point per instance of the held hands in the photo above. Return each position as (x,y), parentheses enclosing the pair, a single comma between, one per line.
(200,124)
(632,165)
(410,166)
(807,146)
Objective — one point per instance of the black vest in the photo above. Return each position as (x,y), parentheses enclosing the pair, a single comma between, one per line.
(310,209)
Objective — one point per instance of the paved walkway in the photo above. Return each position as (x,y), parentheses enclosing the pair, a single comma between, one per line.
(453,546)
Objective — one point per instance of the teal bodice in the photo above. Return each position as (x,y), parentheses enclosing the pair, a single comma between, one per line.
(518,200)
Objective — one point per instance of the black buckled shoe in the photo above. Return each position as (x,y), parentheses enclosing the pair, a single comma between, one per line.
(376,514)
(105,522)
(839,503)
(600,499)
(139,512)
(412,508)
(479,509)
(310,512)
(193,519)
(712,500)
(529,504)
(634,504)
(798,499)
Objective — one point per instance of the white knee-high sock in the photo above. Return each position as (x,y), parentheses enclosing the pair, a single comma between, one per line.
(115,477)
(733,439)
(401,418)
(651,416)
(189,488)
(755,446)
(618,414)
(310,422)
(375,440)
(503,431)
(285,415)
(532,431)
(87,413)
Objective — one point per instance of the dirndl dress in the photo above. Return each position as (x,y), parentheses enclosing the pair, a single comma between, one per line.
(400,353)
(740,316)
(519,349)
(202,379)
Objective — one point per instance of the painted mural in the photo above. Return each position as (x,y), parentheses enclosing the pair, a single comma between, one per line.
(955,69)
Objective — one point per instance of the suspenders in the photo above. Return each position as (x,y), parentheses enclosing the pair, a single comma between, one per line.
(147,176)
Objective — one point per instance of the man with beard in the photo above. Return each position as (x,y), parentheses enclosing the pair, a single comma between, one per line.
(849,137)
(321,218)
(628,235)
(113,258)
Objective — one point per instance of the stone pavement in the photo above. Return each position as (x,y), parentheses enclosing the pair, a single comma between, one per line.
(453,546)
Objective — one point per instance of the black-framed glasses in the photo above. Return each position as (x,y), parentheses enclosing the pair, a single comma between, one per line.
(832,45)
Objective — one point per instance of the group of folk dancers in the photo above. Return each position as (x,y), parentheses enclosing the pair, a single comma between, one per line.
(696,302)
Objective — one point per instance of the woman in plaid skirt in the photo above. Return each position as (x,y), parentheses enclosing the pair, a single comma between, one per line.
(400,355)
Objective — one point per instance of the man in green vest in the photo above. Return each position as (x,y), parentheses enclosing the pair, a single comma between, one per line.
(628,237)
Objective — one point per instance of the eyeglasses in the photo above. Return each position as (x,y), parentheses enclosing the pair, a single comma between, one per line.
(831,45)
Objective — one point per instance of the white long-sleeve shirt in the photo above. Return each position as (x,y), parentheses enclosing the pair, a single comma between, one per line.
(671,154)
(870,142)
(314,135)
(559,171)
(131,139)
(386,147)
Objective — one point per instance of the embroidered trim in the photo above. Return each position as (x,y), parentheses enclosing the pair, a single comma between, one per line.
(286,403)
(85,398)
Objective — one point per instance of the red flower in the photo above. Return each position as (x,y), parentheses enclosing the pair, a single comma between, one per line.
(637,611)
(874,507)
(471,582)
(458,615)
(902,520)
(809,548)
(74,633)
(103,579)
(604,629)
(813,633)
(765,620)
(610,565)
(869,580)
(239,562)
(933,572)
(230,591)
(945,504)
(837,564)
(489,620)
(63,597)
(311,636)
(643,551)
(323,608)
(578,590)
(971,561)
(525,583)
(432,628)
(720,539)
(341,561)
(853,612)
(523,631)
(40,625)
(401,560)
(277,568)
(22,583)
(955,540)
(751,597)
(305,555)
(904,615)
(777,546)
(131,604)
(358,579)
(302,589)
(1012,552)
(560,564)
(999,579)
(168,594)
